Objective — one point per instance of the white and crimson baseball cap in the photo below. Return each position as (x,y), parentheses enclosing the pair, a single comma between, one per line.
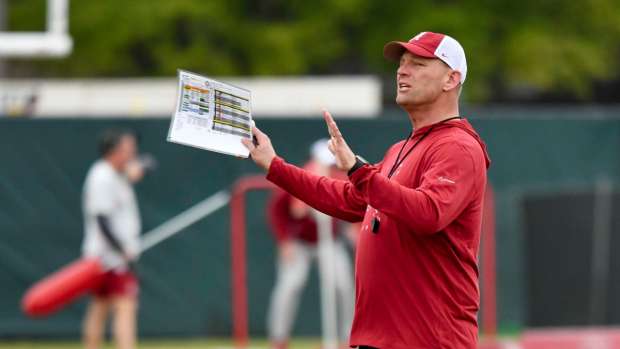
(431,45)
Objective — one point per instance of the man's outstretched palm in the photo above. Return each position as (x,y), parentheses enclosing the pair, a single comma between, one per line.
(345,158)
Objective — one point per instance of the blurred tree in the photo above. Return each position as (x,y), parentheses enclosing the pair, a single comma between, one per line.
(513,48)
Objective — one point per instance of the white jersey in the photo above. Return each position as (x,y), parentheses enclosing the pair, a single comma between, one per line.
(109,193)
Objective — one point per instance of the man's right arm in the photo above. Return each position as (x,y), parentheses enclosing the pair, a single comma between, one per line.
(333,197)
(277,212)
(104,227)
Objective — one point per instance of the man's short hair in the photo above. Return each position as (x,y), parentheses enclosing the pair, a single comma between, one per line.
(110,138)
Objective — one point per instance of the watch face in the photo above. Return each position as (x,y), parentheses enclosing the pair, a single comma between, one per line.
(361,159)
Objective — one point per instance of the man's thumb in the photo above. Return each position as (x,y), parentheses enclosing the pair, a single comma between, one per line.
(248,144)
(331,147)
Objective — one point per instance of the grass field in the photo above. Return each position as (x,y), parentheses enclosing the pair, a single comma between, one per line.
(160,344)
(197,343)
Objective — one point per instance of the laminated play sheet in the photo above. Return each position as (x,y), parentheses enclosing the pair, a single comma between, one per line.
(211,115)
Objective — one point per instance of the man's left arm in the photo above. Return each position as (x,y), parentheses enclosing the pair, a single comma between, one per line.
(445,189)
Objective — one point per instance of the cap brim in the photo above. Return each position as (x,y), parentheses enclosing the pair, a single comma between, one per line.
(394,49)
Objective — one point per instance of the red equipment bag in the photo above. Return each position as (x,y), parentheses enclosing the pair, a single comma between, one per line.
(62,287)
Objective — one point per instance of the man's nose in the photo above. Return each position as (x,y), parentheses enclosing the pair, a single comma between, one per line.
(401,72)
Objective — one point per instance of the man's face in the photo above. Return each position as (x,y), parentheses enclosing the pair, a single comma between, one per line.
(420,80)
(126,150)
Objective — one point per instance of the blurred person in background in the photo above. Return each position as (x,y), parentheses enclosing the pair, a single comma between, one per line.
(112,232)
(295,230)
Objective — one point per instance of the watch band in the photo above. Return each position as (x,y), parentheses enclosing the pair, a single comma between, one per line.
(359,162)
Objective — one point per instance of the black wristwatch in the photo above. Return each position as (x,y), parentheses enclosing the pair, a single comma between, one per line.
(359,162)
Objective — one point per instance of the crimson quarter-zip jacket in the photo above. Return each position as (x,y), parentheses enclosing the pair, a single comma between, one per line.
(416,277)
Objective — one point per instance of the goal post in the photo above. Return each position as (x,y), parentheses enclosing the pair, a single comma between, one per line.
(55,41)
(488,267)
(239,285)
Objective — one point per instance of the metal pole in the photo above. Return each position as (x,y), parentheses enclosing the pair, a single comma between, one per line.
(328,284)
(239,283)
(57,17)
(601,232)
(488,272)
(184,219)
(3,27)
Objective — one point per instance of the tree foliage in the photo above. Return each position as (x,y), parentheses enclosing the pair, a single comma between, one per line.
(548,45)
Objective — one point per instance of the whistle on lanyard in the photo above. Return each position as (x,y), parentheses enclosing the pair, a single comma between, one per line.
(375,224)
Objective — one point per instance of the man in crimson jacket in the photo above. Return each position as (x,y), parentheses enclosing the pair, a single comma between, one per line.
(416,271)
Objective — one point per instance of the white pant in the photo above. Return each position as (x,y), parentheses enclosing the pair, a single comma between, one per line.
(291,279)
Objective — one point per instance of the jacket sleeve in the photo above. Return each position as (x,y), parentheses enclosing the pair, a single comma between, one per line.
(445,189)
(278,215)
(337,198)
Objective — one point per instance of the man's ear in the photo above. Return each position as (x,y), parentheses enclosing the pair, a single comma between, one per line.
(453,81)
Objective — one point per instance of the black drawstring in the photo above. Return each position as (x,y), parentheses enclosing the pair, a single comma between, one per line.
(399,161)
(375,221)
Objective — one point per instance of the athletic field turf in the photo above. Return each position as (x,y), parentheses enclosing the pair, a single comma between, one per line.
(159,344)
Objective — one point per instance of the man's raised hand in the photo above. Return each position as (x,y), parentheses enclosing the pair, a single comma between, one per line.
(345,158)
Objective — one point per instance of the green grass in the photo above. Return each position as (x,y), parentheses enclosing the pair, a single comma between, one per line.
(160,344)
(192,343)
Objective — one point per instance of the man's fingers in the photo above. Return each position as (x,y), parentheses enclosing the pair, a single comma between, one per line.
(248,144)
(332,127)
(260,136)
(329,122)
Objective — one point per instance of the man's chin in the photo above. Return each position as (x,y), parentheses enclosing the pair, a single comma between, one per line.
(403,101)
